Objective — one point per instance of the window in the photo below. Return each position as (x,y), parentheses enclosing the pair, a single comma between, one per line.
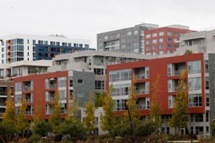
(161,33)
(18,86)
(161,46)
(169,45)
(80,81)
(169,33)
(135,32)
(207,100)
(207,83)
(62,82)
(120,105)
(169,39)
(62,94)
(120,75)
(194,83)
(154,34)
(148,35)
(154,41)
(194,67)
(58,43)
(175,33)
(171,100)
(170,86)
(169,69)
(161,40)
(18,98)
(155,47)
(175,40)
(105,37)
(98,71)
(129,33)
(120,90)
(148,42)
(147,87)
(99,84)
(195,100)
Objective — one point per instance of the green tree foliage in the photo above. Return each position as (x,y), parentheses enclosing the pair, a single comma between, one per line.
(145,128)
(72,107)
(155,105)
(180,111)
(89,118)
(108,119)
(42,128)
(7,126)
(99,101)
(55,117)
(74,129)
(21,120)
(9,114)
(213,128)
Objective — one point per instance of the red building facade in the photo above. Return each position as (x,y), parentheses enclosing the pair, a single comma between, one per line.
(163,40)
(39,91)
(143,74)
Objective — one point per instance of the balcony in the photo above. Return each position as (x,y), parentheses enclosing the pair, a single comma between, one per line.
(49,96)
(143,103)
(51,83)
(29,98)
(27,86)
(176,69)
(141,73)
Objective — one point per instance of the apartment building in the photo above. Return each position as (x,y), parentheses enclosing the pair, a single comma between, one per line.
(202,41)
(127,40)
(19,47)
(143,74)
(93,61)
(23,68)
(163,40)
(40,90)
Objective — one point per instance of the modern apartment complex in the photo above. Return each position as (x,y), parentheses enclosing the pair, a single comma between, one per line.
(143,74)
(163,40)
(93,61)
(127,40)
(19,47)
(40,89)
(23,68)
(148,39)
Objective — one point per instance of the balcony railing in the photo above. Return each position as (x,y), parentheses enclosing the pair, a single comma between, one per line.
(29,112)
(143,107)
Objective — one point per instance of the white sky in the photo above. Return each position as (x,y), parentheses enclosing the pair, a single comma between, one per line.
(83,19)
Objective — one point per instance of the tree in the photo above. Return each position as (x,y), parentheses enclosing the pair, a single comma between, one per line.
(8,128)
(9,114)
(89,118)
(42,128)
(99,101)
(72,107)
(108,119)
(21,120)
(74,128)
(155,105)
(188,52)
(55,117)
(180,111)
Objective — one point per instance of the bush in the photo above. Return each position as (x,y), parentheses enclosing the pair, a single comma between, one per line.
(42,128)
(34,139)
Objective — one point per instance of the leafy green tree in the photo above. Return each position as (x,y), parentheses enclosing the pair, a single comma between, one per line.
(72,107)
(21,120)
(42,128)
(155,105)
(74,128)
(213,128)
(9,114)
(180,111)
(55,117)
(108,119)
(89,118)
(99,101)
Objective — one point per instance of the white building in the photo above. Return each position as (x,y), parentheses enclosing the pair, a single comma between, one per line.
(18,47)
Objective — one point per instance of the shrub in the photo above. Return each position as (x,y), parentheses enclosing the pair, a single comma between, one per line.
(34,138)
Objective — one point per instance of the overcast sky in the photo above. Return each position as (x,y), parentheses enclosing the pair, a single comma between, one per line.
(83,19)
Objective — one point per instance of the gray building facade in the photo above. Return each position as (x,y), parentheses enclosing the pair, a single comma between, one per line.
(127,40)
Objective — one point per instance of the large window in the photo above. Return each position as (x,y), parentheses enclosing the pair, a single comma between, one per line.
(194,83)
(121,89)
(120,105)
(62,82)
(18,98)
(62,94)
(171,100)
(195,100)
(18,86)
(120,75)
(99,84)
(194,67)
(98,71)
